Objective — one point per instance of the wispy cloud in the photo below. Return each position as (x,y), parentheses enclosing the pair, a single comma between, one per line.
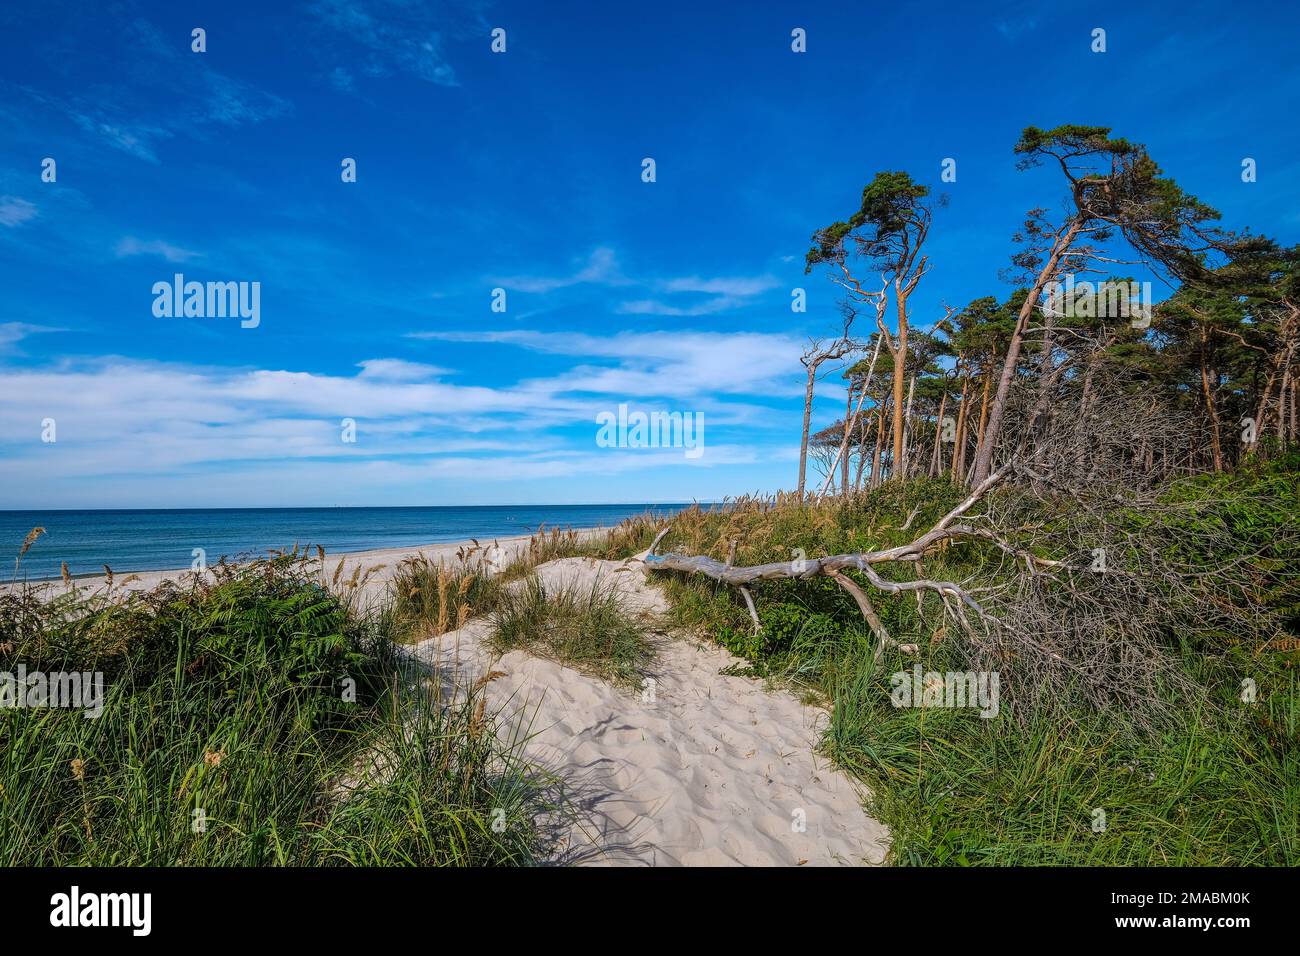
(400,370)
(136,140)
(1017,20)
(733,286)
(684,293)
(14,332)
(600,268)
(411,421)
(660,363)
(397,36)
(126,111)
(15,211)
(131,246)
(726,292)
(658,307)
(342,80)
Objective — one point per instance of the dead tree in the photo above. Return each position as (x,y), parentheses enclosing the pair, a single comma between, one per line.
(955,597)
(812,360)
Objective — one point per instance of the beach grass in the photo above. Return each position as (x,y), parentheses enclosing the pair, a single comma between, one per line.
(581,625)
(245,721)
(432,597)
(618,543)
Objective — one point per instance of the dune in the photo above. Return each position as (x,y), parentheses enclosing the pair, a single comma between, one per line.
(699,768)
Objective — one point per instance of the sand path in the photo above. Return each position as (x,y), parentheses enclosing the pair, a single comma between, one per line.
(699,768)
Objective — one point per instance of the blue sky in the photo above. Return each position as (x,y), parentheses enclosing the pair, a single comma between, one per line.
(522,170)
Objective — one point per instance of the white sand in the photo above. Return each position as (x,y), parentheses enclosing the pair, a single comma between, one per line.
(714,770)
(711,770)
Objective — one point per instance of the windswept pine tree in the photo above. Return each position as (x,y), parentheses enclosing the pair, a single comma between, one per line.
(1036,377)
(887,234)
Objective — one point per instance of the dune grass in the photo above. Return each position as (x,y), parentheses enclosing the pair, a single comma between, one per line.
(1218,786)
(241,720)
(581,626)
(433,597)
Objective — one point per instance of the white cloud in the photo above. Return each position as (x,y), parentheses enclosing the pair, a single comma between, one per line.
(657,307)
(601,268)
(400,370)
(136,141)
(186,421)
(672,364)
(15,211)
(131,246)
(398,35)
(13,332)
(736,286)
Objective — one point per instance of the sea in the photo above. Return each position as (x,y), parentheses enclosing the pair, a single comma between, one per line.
(166,539)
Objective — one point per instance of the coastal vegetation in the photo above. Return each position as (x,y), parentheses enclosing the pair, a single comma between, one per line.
(252,716)
(1175,713)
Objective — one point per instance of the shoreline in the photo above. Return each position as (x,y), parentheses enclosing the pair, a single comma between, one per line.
(383,560)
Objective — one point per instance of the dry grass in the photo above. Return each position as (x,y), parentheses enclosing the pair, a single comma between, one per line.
(434,597)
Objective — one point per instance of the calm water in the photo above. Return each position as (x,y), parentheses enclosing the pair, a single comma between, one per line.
(154,539)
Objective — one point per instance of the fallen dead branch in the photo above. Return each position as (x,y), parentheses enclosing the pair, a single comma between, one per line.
(954,595)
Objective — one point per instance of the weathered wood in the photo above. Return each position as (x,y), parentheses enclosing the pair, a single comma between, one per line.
(833,565)
(867,608)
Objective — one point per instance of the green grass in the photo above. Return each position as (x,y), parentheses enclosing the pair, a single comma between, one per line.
(583,627)
(279,708)
(1216,787)
(241,721)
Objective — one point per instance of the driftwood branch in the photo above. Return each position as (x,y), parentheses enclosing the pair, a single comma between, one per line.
(867,608)
(946,529)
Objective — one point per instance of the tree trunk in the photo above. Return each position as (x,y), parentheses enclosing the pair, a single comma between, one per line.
(900,369)
(984,455)
(907,417)
(1281,400)
(936,462)
(1261,411)
(1216,445)
(959,434)
(878,457)
(844,445)
(984,410)
(1295,389)
(862,397)
(807,422)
